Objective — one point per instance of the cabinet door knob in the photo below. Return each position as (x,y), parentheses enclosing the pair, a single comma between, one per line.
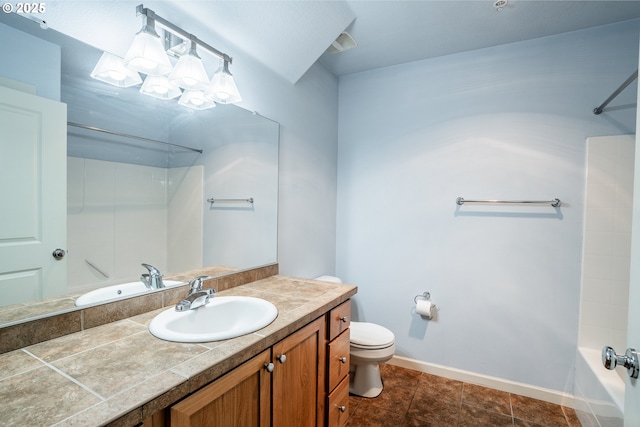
(269,367)
(344,319)
(282,358)
(343,359)
(342,408)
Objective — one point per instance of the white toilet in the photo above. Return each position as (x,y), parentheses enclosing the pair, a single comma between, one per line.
(370,345)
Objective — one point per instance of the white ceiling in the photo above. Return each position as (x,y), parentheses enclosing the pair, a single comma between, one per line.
(290,36)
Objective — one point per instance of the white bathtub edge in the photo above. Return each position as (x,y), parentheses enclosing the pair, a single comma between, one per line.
(611,381)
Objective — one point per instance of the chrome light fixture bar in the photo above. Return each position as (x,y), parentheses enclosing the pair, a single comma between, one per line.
(150,14)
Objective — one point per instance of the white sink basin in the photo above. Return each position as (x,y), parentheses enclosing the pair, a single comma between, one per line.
(118,291)
(222,318)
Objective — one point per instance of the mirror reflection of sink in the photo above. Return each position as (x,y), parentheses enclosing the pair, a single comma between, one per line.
(222,318)
(118,291)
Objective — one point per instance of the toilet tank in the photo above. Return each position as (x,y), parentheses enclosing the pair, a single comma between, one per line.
(332,279)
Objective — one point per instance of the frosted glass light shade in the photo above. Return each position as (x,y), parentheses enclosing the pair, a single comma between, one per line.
(160,87)
(195,99)
(111,69)
(146,54)
(189,72)
(223,88)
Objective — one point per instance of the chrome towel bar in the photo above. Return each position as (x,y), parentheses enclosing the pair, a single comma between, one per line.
(212,200)
(555,202)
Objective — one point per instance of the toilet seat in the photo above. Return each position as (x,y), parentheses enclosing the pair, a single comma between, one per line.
(370,336)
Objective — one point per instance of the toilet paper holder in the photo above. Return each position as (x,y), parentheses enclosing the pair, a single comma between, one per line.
(425,296)
(428,309)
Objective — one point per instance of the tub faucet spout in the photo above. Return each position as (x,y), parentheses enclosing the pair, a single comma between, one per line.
(152,280)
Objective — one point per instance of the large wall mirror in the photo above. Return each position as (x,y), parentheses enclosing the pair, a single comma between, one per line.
(140,176)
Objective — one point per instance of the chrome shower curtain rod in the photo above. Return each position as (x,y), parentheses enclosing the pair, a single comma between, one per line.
(124,135)
(622,87)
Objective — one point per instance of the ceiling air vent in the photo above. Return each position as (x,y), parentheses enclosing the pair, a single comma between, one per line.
(342,43)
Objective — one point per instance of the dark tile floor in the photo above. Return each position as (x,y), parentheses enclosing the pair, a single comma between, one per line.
(411,398)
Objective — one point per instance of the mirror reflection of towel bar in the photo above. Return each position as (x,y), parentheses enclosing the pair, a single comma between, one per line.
(212,200)
(555,202)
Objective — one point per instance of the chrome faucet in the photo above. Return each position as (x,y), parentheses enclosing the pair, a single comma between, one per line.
(153,280)
(197,296)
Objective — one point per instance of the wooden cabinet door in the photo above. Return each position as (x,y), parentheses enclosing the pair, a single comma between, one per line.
(299,377)
(339,319)
(338,404)
(338,359)
(240,398)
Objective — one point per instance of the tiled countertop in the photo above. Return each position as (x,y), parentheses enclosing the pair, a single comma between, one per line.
(119,373)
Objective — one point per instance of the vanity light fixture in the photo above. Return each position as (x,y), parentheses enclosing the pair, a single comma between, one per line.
(189,72)
(195,99)
(223,88)
(147,55)
(111,69)
(159,87)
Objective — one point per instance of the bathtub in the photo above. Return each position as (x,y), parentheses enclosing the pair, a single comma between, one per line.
(122,290)
(599,392)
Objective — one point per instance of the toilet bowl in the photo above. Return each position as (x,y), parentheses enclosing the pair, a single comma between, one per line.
(370,345)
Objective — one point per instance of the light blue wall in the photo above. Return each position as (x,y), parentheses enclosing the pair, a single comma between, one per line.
(507,122)
(308,117)
(30,60)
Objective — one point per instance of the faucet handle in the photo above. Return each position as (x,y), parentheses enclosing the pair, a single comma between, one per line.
(195,285)
(151,268)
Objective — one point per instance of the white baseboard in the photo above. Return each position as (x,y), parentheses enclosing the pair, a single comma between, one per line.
(547,395)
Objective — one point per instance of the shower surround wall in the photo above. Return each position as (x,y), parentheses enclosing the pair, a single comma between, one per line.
(604,298)
(508,122)
(607,242)
(118,211)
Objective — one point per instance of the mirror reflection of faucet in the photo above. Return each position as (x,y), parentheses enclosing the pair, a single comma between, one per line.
(197,297)
(152,280)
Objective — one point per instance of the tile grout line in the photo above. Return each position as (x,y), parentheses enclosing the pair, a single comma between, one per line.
(413,396)
(513,418)
(86,350)
(460,404)
(67,376)
(25,371)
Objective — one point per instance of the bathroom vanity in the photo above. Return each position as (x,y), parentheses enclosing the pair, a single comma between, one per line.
(292,372)
(287,384)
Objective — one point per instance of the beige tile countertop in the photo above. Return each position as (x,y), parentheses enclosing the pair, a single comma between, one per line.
(119,373)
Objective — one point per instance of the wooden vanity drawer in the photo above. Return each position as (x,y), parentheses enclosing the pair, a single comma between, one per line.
(339,319)
(338,359)
(338,405)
